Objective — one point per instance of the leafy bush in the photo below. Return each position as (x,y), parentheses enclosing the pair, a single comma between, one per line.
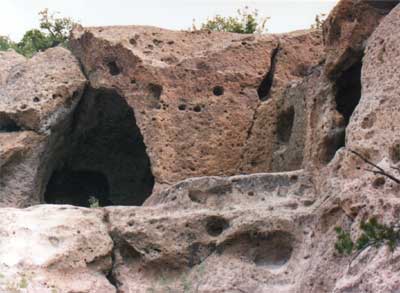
(344,244)
(245,22)
(5,43)
(53,31)
(374,234)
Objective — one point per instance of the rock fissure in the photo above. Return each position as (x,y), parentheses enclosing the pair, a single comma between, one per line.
(266,84)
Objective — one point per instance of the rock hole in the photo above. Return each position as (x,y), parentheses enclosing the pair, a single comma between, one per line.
(155,90)
(394,153)
(105,156)
(218,90)
(378,182)
(133,42)
(271,250)
(216,225)
(36,100)
(266,84)
(197,108)
(285,125)
(182,107)
(113,68)
(7,124)
(274,250)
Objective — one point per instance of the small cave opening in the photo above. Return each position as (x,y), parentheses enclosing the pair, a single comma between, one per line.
(347,97)
(103,157)
(348,91)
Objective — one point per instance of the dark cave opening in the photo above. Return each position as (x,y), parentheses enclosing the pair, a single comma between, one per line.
(104,158)
(348,91)
(77,188)
(347,97)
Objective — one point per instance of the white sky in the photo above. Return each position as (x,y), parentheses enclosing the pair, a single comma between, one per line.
(17,16)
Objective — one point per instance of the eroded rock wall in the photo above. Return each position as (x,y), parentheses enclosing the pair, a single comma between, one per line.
(205,104)
(37,100)
(197,95)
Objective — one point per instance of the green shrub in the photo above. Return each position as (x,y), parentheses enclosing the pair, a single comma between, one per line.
(53,31)
(373,234)
(5,43)
(245,22)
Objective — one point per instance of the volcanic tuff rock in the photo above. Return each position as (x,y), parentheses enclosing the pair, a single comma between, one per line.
(37,98)
(178,244)
(196,95)
(161,106)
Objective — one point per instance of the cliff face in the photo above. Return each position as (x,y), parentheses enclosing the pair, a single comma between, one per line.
(221,161)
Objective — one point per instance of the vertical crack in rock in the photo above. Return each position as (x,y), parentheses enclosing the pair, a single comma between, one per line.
(110,274)
(263,93)
(265,86)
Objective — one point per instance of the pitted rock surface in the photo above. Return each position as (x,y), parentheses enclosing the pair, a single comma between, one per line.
(162,119)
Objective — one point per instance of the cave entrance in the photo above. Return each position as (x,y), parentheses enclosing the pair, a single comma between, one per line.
(347,97)
(348,91)
(104,157)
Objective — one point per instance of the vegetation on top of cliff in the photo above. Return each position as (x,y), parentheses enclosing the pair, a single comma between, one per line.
(319,21)
(245,22)
(54,31)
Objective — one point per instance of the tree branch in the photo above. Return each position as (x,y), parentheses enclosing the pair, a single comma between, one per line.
(379,169)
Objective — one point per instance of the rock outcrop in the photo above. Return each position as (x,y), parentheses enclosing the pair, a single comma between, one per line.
(346,30)
(37,100)
(163,119)
(179,244)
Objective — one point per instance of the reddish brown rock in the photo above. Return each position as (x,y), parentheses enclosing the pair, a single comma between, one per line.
(347,29)
(193,93)
(296,57)
(196,105)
